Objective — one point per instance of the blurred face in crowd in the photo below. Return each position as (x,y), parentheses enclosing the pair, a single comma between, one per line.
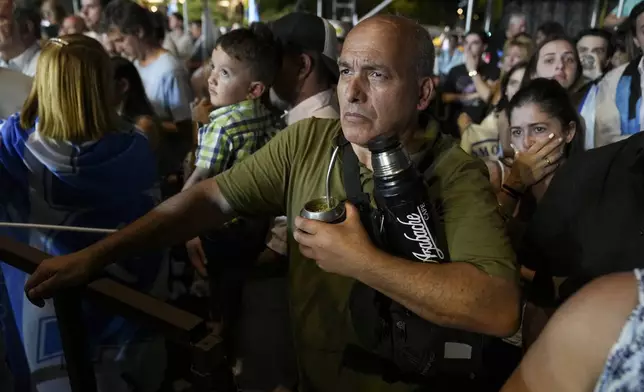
(516,26)
(529,124)
(474,45)
(514,83)
(379,90)
(557,61)
(6,25)
(514,55)
(174,22)
(129,45)
(592,48)
(72,25)
(639,31)
(91,13)
(47,12)
(230,80)
(195,30)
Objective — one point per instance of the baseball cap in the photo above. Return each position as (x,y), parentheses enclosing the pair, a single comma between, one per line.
(303,31)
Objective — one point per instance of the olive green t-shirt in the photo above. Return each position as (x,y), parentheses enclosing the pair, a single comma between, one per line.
(290,170)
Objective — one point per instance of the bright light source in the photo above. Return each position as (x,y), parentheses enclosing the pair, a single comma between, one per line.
(459,11)
(224,3)
(181,1)
(153,8)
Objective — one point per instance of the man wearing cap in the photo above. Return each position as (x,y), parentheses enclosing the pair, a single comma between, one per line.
(385,82)
(304,88)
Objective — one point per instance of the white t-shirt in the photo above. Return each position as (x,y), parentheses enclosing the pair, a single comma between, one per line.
(167,86)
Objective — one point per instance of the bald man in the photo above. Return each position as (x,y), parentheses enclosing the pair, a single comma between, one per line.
(73,24)
(385,82)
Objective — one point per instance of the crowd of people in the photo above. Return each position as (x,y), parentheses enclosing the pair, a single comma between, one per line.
(123,151)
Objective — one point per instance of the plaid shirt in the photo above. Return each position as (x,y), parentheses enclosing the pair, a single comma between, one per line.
(234,132)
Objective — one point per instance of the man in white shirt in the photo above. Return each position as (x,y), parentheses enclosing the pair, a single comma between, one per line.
(181,39)
(618,104)
(19,35)
(304,89)
(14,89)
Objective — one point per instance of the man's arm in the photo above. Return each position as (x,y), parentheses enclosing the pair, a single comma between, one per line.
(457,295)
(174,221)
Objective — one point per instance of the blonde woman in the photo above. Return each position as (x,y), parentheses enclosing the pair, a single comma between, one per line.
(68,159)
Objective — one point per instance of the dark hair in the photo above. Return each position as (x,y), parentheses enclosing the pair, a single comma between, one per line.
(601,33)
(129,17)
(28,21)
(136,103)
(523,35)
(503,102)
(554,100)
(635,13)
(196,22)
(551,28)
(534,60)
(256,47)
(178,16)
(482,35)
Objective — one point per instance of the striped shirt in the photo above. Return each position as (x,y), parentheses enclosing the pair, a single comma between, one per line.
(234,132)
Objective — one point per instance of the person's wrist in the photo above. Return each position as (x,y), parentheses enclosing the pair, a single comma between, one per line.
(513,180)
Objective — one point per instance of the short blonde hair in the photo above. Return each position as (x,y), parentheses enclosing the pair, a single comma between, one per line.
(72,94)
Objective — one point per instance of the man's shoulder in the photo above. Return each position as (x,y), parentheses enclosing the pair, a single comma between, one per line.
(450,158)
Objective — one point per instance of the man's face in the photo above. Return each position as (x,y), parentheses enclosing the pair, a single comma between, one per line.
(195,30)
(517,26)
(474,45)
(6,25)
(286,83)
(72,25)
(128,45)
(91,13)
(174,22)
(593,45)
(639,32)
(378,90)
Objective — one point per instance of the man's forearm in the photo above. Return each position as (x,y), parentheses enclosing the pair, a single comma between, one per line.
(455,295)
(178,219)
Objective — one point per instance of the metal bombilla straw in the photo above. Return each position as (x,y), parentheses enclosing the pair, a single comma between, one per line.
(57,227)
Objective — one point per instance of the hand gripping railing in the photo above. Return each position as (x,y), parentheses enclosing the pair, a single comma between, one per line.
(209,368)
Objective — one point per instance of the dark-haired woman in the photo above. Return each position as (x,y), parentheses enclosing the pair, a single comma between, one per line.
(131,102)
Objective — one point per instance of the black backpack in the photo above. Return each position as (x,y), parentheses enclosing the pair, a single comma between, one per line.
(396,343)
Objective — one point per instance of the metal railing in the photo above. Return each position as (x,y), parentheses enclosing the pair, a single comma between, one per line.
(210,371)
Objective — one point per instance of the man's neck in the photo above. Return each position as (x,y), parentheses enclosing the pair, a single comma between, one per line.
(308,92)
(150,53)
(13,51)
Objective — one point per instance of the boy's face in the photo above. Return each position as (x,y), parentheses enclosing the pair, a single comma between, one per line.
(230,80)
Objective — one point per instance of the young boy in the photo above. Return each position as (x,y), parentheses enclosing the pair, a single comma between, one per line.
(244,65)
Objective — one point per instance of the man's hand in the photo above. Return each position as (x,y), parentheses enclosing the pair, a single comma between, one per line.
(341,248)
(197,256)
(59,273)
(201,110)
(471,63)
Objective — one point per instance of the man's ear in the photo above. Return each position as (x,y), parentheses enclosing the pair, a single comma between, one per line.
(425,93)
(256,90)
(306,66)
